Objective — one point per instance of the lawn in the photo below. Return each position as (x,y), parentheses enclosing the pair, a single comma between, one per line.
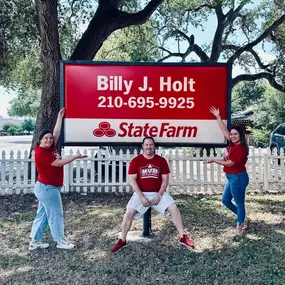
(94,221)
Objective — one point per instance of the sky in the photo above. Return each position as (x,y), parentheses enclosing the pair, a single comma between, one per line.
(201,37)
(5,98)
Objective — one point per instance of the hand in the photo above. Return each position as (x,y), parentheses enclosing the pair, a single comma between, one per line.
(145,201)
(81,155)
(215,112)
(208,161)
(58,156)
(61,113)
(155,200)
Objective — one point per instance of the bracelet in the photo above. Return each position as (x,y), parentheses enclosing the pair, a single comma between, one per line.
(159,196)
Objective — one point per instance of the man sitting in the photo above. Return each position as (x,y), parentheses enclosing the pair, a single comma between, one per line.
(149,176)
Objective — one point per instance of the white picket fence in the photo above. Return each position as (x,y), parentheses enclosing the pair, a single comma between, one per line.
(98,173)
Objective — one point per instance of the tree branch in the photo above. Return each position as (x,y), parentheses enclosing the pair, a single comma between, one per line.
(175,54)
(249,46)
(230,47)
(223,22)
(216,47)
(107,19)
(192,46)
(170,54)
(259,62)
(255,55)
(197,9)
(233,14)
(141,16)
(262,75)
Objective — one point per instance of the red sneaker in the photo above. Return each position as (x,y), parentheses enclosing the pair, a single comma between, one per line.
(120,244)
(185,240)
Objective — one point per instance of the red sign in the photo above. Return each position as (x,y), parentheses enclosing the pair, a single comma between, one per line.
(121,103)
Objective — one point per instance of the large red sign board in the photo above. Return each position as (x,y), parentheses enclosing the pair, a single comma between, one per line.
(113,103)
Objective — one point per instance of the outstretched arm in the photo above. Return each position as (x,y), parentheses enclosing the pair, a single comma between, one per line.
(57,128)
(223,127)
(222,162)
(60,162)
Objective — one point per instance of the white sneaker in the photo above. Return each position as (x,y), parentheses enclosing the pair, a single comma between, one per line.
(37,244)
(64,244)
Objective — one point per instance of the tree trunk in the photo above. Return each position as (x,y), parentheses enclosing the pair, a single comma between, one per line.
(106,20)
(49,106)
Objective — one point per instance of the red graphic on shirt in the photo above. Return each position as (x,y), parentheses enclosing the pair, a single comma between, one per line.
(104,129)
(227,152)
(150,171)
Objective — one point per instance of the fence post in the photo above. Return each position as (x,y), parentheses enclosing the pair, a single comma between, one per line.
(168,158)
(266,172)
(147,223)
(66,178)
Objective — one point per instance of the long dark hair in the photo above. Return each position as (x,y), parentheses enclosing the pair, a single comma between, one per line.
(41,135)
(241,135)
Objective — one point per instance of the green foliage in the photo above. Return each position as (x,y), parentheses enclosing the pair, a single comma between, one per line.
(28,125)
(12,129)
(243,27)
(21,58)
(73,16)
(24,67)
(136,43)
(247,94)
(267,115)
(18,34)
(27,73)
(6,127)
(26,104)
(261,137)
(26,80)
(271,12)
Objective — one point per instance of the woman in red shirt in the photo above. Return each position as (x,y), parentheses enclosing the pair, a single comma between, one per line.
(47,189)
(234,166)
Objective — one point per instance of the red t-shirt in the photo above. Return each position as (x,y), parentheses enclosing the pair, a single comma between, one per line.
(149,172)
(48,174)
(238,154)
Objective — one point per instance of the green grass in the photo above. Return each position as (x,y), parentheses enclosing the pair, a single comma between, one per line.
(94,221)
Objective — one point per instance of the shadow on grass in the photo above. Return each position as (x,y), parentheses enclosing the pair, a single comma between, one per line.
(273,204)
(93,222)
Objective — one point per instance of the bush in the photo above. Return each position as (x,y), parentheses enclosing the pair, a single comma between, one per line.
(261,137)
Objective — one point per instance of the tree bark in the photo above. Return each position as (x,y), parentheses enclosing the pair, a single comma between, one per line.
(48,29)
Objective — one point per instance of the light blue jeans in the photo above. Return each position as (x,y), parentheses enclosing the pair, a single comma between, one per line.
(235,188)
(49,212)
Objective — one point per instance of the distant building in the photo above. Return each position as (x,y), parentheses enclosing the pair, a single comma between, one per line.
(245,121)
(9,121)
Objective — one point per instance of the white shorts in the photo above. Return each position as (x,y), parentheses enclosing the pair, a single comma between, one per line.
(136,204)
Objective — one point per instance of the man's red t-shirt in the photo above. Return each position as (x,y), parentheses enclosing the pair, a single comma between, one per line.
(238,154)
(149,172)
(48,174)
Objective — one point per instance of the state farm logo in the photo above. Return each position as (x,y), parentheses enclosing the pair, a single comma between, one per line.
(104,130)
(130,129)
